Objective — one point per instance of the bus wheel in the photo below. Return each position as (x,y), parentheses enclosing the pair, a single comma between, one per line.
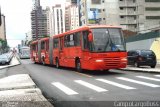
(43,61)
(78,66)
(57,63)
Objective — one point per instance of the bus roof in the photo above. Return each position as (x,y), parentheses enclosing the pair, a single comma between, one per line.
(43,39)
(34,42)
(85,28)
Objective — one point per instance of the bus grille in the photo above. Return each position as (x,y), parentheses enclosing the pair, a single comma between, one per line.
(112,62)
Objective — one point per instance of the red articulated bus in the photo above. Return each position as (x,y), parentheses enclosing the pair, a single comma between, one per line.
(97,47)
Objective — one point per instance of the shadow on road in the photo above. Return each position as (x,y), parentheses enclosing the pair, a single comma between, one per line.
(88,72)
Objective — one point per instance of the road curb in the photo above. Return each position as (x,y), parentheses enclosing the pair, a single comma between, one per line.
(141,70)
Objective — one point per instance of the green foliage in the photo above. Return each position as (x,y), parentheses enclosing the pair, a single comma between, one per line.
(4,46)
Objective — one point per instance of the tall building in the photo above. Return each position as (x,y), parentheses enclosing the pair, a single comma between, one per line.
(71,17)
(36,4)
(99,12)
(57,19)
(139,15)
(3,28)
(40,21)
(67,16)
(73,1)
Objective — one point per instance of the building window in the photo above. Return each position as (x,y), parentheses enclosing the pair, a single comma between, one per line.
(121,8)
(96,1)
(153,17)
(121,16)
(152,8)
(104,18)
(99,10)
(152,0)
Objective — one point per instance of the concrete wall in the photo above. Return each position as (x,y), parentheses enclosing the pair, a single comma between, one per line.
(151,44)
(142,44)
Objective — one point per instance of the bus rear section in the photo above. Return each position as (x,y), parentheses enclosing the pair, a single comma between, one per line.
(24,52)
(34,51)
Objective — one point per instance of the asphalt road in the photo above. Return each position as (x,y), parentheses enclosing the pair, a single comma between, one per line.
(67,88)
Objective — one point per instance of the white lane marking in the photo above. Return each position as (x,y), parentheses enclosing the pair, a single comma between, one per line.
(63,88)
(116,84)
(91,86)
(157,75)
(138,82)
(154,79)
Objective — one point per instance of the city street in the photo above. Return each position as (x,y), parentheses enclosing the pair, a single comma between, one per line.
(66,87)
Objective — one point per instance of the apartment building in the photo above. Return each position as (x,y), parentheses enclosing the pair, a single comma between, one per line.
(3,28)
(139,15)
(99,12)
(67,16)
(71,17)
(58,19)
(39,21)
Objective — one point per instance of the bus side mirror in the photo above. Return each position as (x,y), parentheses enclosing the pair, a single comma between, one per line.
(90,37)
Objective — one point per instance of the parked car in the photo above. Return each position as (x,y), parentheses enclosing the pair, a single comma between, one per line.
(142,58)
(4,59)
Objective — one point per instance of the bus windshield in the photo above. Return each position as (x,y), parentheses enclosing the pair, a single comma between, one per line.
(107,39)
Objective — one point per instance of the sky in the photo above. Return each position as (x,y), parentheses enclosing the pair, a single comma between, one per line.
(18,19)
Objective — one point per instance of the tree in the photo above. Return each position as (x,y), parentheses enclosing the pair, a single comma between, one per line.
(4,46)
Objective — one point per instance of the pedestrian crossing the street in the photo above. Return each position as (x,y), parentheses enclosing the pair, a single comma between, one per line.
(121,84)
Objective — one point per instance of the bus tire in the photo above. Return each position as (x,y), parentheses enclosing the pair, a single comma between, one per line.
(78,66)
(43,61)
(57,63)
(34,60)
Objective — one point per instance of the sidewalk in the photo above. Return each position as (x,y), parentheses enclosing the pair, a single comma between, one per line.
(13,62)
(143,69)
(20,91)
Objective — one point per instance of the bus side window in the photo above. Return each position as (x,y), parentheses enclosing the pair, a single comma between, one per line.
(77,37)
(47,45)
(85,40)
(61,43)
(55,43)
(42,45)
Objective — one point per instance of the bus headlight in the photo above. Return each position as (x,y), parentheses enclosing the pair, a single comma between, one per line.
(124,59)
(99,60)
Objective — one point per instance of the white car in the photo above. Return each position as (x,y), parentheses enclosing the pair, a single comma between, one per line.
(4,59)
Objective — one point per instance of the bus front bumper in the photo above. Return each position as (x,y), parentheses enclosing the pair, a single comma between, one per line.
(101,64)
